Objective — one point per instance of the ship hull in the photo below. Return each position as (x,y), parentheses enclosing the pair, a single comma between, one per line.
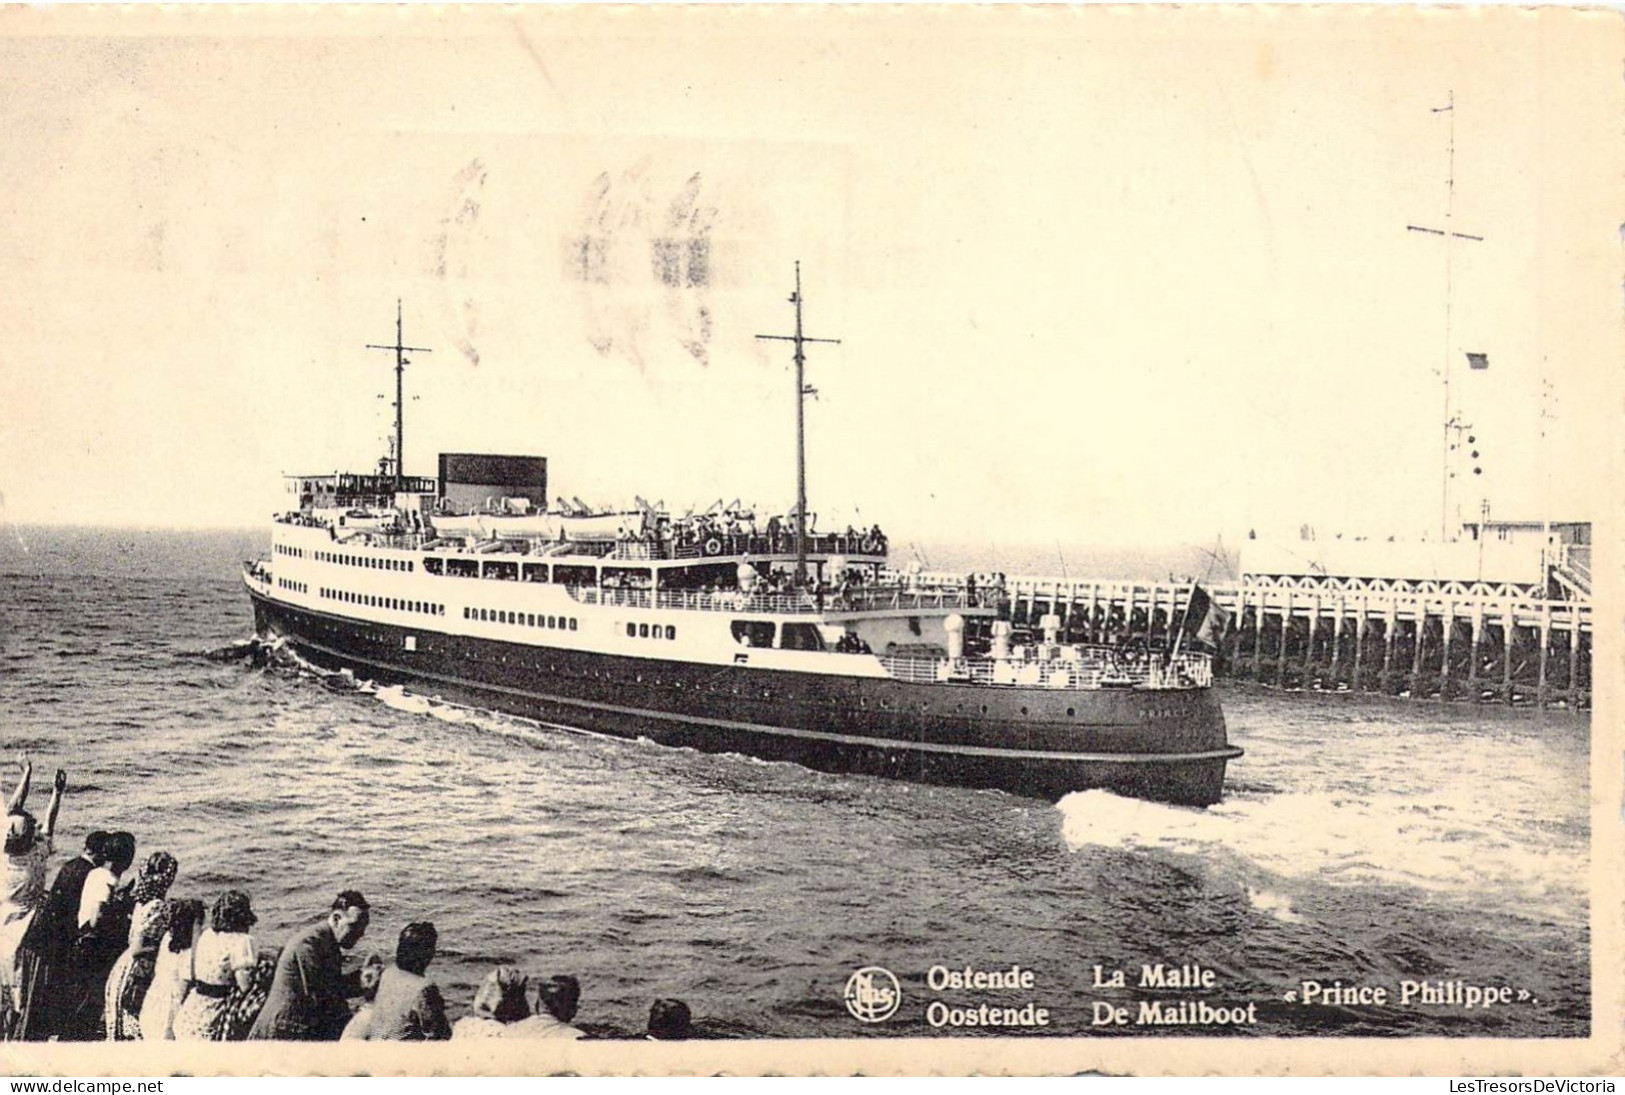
(1165,745)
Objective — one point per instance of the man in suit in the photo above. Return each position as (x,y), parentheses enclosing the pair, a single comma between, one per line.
(47,986)
(308,992)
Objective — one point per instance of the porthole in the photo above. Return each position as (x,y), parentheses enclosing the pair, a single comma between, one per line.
(1071,712)
(984,709)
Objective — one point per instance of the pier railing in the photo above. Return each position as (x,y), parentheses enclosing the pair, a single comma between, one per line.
(1437,639)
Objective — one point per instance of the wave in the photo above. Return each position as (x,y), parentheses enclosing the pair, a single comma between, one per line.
(1276,847)
(398,698)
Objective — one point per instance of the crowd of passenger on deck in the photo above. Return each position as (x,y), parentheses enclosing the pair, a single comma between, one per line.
(731,532)
(106,952)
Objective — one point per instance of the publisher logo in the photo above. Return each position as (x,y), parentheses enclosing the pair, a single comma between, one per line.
(872,994)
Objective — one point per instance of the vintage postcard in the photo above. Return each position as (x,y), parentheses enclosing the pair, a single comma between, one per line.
(810,540)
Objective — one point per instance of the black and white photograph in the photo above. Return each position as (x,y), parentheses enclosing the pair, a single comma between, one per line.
(814,540)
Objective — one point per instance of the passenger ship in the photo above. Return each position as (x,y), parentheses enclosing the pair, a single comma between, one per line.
(719,633)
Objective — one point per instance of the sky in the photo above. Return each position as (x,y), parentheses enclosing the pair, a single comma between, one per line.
(1099,275)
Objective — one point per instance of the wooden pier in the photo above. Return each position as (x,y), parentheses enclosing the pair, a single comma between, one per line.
(1467,642)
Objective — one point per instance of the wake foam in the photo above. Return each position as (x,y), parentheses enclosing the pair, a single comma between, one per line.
(1277,846)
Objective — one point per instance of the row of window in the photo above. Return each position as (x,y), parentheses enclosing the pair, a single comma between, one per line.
(524,619)
(292,586)
(505,570)
(292,552)
(650,631)
(372,600)
(367,561)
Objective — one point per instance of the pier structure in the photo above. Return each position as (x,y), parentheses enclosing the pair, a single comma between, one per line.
(1519,635)
(1455,641)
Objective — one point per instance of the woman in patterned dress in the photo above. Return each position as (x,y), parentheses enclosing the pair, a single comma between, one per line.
(222,959)
(245,1004)
(148,922)
(172,969)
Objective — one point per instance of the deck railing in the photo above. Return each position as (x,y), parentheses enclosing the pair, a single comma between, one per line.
(833,604)
(1098,667)
(720,545)
(694,600)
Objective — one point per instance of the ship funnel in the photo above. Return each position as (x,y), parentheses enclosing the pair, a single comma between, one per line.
(955,626)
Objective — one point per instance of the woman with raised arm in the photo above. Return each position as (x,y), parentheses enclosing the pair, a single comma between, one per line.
(22,880)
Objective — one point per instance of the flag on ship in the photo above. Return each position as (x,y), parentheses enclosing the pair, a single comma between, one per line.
(1205,621)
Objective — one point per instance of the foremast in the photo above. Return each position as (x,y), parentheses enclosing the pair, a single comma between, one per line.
(800,339)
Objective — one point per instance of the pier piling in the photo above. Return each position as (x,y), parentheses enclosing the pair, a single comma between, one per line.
(1449,641)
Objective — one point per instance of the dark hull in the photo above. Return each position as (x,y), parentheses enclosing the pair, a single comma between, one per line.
(1168,746)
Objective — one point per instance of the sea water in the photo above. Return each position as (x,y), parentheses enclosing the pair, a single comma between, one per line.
(1361,841)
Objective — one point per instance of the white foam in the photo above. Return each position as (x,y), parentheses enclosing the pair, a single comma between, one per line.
(398,698)
(1274,904)
(1457,846)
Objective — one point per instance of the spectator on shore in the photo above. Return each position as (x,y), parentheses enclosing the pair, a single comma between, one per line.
(98,895)
(244,1005)
(131,978)
(499,1001)
(171,969)
(45,981)
(557,999)
(222,958)
(372,971)
(308,993)
(22,884)
(670,1021)
(131,974)
(409,1007)
(106,908)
